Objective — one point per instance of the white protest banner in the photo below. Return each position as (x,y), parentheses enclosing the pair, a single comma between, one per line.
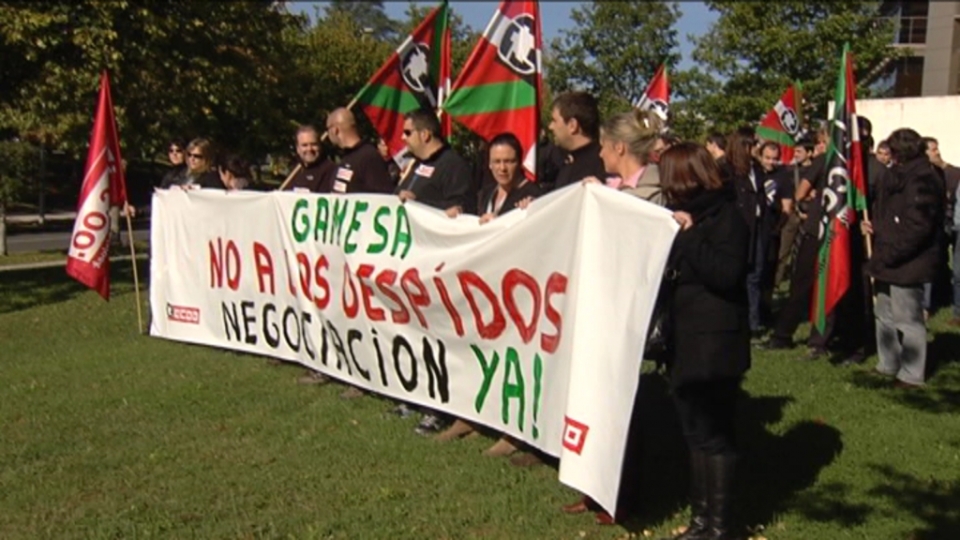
(533,323)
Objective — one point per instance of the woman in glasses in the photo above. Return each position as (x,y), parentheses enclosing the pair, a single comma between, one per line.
(199,170)
(510,190)
(176,154)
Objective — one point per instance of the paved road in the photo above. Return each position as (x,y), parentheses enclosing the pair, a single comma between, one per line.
(49,241)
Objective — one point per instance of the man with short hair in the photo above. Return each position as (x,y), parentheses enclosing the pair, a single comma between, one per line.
(575,124)
(906,224)
(316,170)
(939,292)
(715,144)
(883,153)
(361,168)
(439,177)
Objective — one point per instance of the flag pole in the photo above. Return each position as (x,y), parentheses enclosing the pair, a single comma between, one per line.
(133,262)
(290,177)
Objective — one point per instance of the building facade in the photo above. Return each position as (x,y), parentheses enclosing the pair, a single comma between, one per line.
(931,31)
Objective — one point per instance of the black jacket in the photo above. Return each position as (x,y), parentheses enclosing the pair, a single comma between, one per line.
(907,218)
(528,189)
(750,201)
(711,335)
(579,164)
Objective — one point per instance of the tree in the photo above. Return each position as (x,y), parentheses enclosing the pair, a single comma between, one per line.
(18,164)
(183,68)
(614,49)
(334,60)
(371,17)
(758,49)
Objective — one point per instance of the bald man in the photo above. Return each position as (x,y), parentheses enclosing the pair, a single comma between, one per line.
(361,169)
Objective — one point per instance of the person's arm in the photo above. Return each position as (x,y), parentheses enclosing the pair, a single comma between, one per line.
(456,187)
(916,225)
(718,255)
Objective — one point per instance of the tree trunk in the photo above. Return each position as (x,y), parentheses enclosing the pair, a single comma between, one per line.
(3,228)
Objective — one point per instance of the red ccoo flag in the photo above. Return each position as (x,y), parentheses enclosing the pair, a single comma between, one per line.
(656,97)
(103,187)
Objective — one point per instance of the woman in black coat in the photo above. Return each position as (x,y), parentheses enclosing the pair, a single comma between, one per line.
(709,326)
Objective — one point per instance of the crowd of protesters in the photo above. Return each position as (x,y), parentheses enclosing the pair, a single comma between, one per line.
(750,225)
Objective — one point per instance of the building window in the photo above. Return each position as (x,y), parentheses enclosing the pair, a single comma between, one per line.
(909,21)
(901,78)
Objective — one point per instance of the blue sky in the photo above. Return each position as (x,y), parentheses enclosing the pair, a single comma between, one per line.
(695,20)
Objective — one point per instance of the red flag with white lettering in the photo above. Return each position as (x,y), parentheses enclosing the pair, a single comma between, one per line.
(103,186)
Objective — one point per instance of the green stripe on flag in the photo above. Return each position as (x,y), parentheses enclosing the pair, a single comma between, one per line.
(491,98)
(776,136)
(388,97)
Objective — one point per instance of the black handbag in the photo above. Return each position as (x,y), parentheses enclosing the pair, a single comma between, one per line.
(658,344)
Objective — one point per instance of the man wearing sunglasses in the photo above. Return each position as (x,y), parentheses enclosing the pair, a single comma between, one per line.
(439,177)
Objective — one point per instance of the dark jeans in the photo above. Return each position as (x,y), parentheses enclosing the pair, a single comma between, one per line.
(797,308)
(707,412)
(755,281)
(956,277)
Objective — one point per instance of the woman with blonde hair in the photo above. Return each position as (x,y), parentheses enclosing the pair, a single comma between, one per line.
(627,141)
(199,171)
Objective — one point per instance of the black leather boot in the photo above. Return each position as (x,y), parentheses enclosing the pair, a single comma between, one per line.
(698,528)
(721,471)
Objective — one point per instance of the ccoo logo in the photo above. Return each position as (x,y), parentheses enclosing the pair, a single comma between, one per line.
(183,314)
(574,435)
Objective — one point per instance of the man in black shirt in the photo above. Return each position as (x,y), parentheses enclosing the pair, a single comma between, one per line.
(440,177)
(361,168)
(316,170)
(575,123)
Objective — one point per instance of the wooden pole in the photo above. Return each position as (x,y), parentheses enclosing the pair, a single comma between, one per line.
(323,137)
(289,177)
(133,261)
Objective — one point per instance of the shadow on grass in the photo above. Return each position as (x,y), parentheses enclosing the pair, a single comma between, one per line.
(774,471)
(933,501)
(24,289)
(942,392)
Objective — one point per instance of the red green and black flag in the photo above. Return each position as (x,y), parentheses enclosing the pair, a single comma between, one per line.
(498,89)
(782,124)
(843,194)
(416,76)
(656,98)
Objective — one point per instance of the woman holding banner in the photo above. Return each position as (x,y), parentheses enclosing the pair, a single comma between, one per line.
(627,141)
(510,190)
(710,328)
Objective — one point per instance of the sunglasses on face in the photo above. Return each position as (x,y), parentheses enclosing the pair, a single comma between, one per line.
(195,156)
(175,151)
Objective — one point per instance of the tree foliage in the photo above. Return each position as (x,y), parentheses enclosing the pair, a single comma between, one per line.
(181,68)
(614,50)
(370,17)
(757,49)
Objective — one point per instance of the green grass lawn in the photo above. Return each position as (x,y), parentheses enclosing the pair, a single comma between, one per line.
(110,434)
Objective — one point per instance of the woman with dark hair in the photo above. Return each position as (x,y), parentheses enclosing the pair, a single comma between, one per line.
(510,188)
(710,337)
(741,169)
(175,153)
(234,173)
